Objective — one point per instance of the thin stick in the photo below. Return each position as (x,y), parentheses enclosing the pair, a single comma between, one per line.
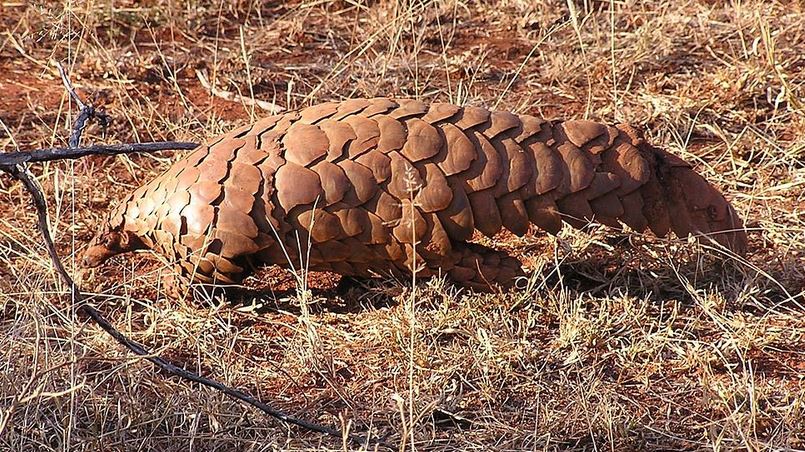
(9,159)
(233,97)
(87,111)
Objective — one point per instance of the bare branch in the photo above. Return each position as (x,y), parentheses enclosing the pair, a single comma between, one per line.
(68,85)
(87,111)
(232,97)
(8,159)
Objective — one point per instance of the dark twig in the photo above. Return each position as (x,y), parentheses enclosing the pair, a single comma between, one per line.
(87,111)
(68,85)
(15,164)
(8,159)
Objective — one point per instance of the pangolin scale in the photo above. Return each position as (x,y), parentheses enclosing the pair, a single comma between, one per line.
(386,186)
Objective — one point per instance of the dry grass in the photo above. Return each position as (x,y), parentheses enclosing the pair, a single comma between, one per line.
(618,343)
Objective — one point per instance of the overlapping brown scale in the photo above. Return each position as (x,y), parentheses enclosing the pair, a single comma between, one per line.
(222,264)
(282,124)
(550,168)
(531,128)
(334,251)
(205,192)
(171,226)
(375,231)
(270,142)
(412,226)
(304,144)
(500,122)
(245,177)
(575,209)
(367,135)
(354,220)
(250,154)
(338,135)
(520,167)
(379,163)
(438,245)
(201,265)
(186,178)
(177,202)
(393,134)
(602,183)
(212,170)
(394,253)
(513,213)
(485,211)
(543,212)
(266,124)
(435,193)
(362,181)
(193,159)
(136,198)
(625,161)
(198,218)
(632,214)
(579,166)
(379,106)
(607,209)
(334,182)
(458,153)
(386,207)
(322,226)
(405,178)
(457,218)
(408,108)
(316,113)
(236,221)
(438,112)
(605,204)
(350,107)
(238,132)
(487,168)
(423,140)
(225,150)
(479,267)
(414,262)
(270,165)
(145,206)
(470,117)
(581,132)
(296,185)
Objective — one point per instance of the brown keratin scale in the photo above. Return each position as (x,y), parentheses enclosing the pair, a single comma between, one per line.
(365,179)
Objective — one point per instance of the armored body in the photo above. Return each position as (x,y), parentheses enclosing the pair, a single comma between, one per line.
(379,186)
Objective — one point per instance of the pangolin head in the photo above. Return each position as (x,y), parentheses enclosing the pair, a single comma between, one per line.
(113,239)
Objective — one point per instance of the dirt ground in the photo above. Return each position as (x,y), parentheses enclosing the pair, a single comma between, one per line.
(621,341)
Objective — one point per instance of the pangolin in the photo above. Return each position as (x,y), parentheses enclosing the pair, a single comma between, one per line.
(392,186)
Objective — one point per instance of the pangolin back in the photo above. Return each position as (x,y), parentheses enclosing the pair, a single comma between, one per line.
(385,186)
